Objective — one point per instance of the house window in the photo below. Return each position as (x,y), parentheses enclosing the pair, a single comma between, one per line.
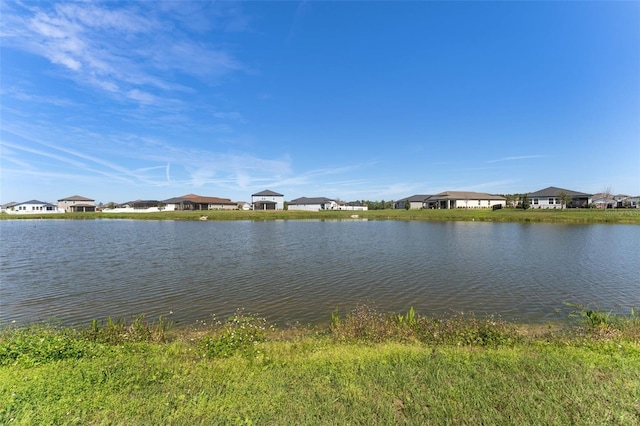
(479,202)
(535,201)
(551,201)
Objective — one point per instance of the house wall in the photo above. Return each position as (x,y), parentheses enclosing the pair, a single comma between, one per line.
(477,204)
(34,209)
(223,207)
(132,210)
(279,200)
(66,204)
(329,205)
(305,207)
(353,208)
(545,203)
(412,204)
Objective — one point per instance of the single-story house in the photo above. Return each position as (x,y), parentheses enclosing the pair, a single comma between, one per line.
(267,200)
(198,202)
(353,206)
(313,204)
(551,198)
(34,207)
(414,202)
(610,201)
(632,202)
(137,206)
(76,203)
(7,206)
(464,200)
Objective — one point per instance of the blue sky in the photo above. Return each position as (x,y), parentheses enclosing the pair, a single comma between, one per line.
(118,101)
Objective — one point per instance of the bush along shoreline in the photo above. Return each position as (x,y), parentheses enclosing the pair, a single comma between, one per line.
(364,367)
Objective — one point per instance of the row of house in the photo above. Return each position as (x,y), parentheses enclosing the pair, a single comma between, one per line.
(548,198)
(75,203)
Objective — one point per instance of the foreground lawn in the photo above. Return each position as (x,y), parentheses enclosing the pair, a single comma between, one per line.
(583,216)
(359,372)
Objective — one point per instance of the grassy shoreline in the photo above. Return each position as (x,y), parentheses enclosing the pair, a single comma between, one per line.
(364,368)
(577,216)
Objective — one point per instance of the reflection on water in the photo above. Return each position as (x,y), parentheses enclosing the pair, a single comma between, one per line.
(290,271)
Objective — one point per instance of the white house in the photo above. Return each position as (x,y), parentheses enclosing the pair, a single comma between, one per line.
(551,198)
(34,207)
(313,204)
(464,200)
(76,203)
(353,206)
(137,206)
(267,200)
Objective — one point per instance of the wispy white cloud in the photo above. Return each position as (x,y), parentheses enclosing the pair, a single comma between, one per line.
(522,157)
(127,50)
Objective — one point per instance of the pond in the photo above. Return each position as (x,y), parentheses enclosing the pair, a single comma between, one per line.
(73,271)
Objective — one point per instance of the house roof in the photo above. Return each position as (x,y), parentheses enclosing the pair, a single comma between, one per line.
(198,199)
(416,198)
(552,191)
(34,202)
(9,204)
(141,202)
(312,200)
(465,195)
(76,198)
(267,192)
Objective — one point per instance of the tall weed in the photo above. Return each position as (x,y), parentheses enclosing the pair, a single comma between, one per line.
(119,332)
(602,324)
(366,324)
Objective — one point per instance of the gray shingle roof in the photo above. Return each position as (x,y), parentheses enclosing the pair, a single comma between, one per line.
(312,200)
(267,193)
(34,202)
(465,195)
(552,191)
(76,198)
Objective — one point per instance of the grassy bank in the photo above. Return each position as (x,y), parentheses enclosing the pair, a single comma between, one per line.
(365,368)
(585,216)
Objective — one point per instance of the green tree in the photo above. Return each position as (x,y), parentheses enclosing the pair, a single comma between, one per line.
(525,202)
(564,198)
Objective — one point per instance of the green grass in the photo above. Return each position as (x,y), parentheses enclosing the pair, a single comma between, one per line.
(583,216)
(367,367)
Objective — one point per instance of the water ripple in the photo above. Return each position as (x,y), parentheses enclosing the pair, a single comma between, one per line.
(301,271)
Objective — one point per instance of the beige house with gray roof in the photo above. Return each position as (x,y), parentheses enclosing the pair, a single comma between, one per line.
(76,203)
(464,200)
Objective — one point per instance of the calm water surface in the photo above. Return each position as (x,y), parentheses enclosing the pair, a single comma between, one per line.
(288,271)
